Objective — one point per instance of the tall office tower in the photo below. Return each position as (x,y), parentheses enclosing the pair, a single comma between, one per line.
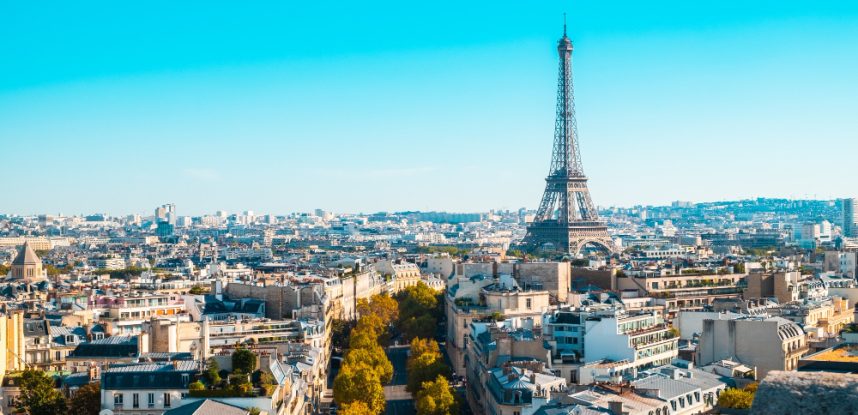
(166,213)
(567,220)
(850,221)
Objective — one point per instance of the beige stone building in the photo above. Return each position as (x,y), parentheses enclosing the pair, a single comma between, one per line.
(13,353)
(781,285)
(820,318)
(400,274)
(767,343)
(479,297)
(683,292)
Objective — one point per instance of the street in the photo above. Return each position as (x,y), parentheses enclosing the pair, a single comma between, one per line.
(399,401)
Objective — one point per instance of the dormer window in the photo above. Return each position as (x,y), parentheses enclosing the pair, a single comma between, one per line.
(70,339)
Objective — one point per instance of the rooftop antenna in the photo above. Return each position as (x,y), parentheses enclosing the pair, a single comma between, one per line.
(564,24)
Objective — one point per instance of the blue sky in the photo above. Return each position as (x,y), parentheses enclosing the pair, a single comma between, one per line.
(368,106)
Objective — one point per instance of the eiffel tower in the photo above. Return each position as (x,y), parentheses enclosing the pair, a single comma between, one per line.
(566,220)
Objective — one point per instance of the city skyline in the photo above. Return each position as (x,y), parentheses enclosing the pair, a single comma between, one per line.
(454,120)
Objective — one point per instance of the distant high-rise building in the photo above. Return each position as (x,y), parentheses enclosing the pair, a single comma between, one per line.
(166,213)
(184,221)
(850,221)
(165,229)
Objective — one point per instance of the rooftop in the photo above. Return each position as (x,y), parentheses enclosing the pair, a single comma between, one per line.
(845,353)
(27,256)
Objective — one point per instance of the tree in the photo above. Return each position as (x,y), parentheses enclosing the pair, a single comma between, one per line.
(735,398)
(212,371)
(359,382)
(340,330)
(417,300)
(198,290)
(38,396)
(372,323)
(354,408)
(244,361)
(362,338)
(422,326)
(375,358)
(436,398)
(52,270)
(425,363)
(420,347)
(381,305)
(196,386)
(87,400)
(515,253)
(425,367)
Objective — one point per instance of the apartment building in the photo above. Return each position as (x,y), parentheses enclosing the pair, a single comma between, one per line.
(508,368)
(643,340)
(819,319)
(783,285)
(479,297)
(767,343)
(693,290)
(148,388)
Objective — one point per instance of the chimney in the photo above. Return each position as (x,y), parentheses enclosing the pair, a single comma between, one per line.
(175,364)
(616,407)
(93,373)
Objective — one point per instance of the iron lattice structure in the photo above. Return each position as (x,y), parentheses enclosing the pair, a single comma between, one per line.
(566,220)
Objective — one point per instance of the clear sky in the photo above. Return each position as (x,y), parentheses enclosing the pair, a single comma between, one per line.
(287,106)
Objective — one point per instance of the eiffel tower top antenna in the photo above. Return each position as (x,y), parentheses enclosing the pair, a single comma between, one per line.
(564,24)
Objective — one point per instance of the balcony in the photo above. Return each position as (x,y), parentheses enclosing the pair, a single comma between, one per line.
(654,342)
(647,330)
(798,351)
(685,292)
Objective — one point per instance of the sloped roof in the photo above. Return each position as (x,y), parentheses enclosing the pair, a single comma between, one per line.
(59,333)
(667,388)
(207,407)
(27,256)
(149,376)
(35,328)
(110,347)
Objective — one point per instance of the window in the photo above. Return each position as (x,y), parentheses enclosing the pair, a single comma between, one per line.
(529,303)
(151,400)
(166,400)
(185,379)
(135,402)
(58,355)
(117,400)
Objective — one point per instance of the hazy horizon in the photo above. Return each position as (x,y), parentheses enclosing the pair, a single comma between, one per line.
(179,212)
